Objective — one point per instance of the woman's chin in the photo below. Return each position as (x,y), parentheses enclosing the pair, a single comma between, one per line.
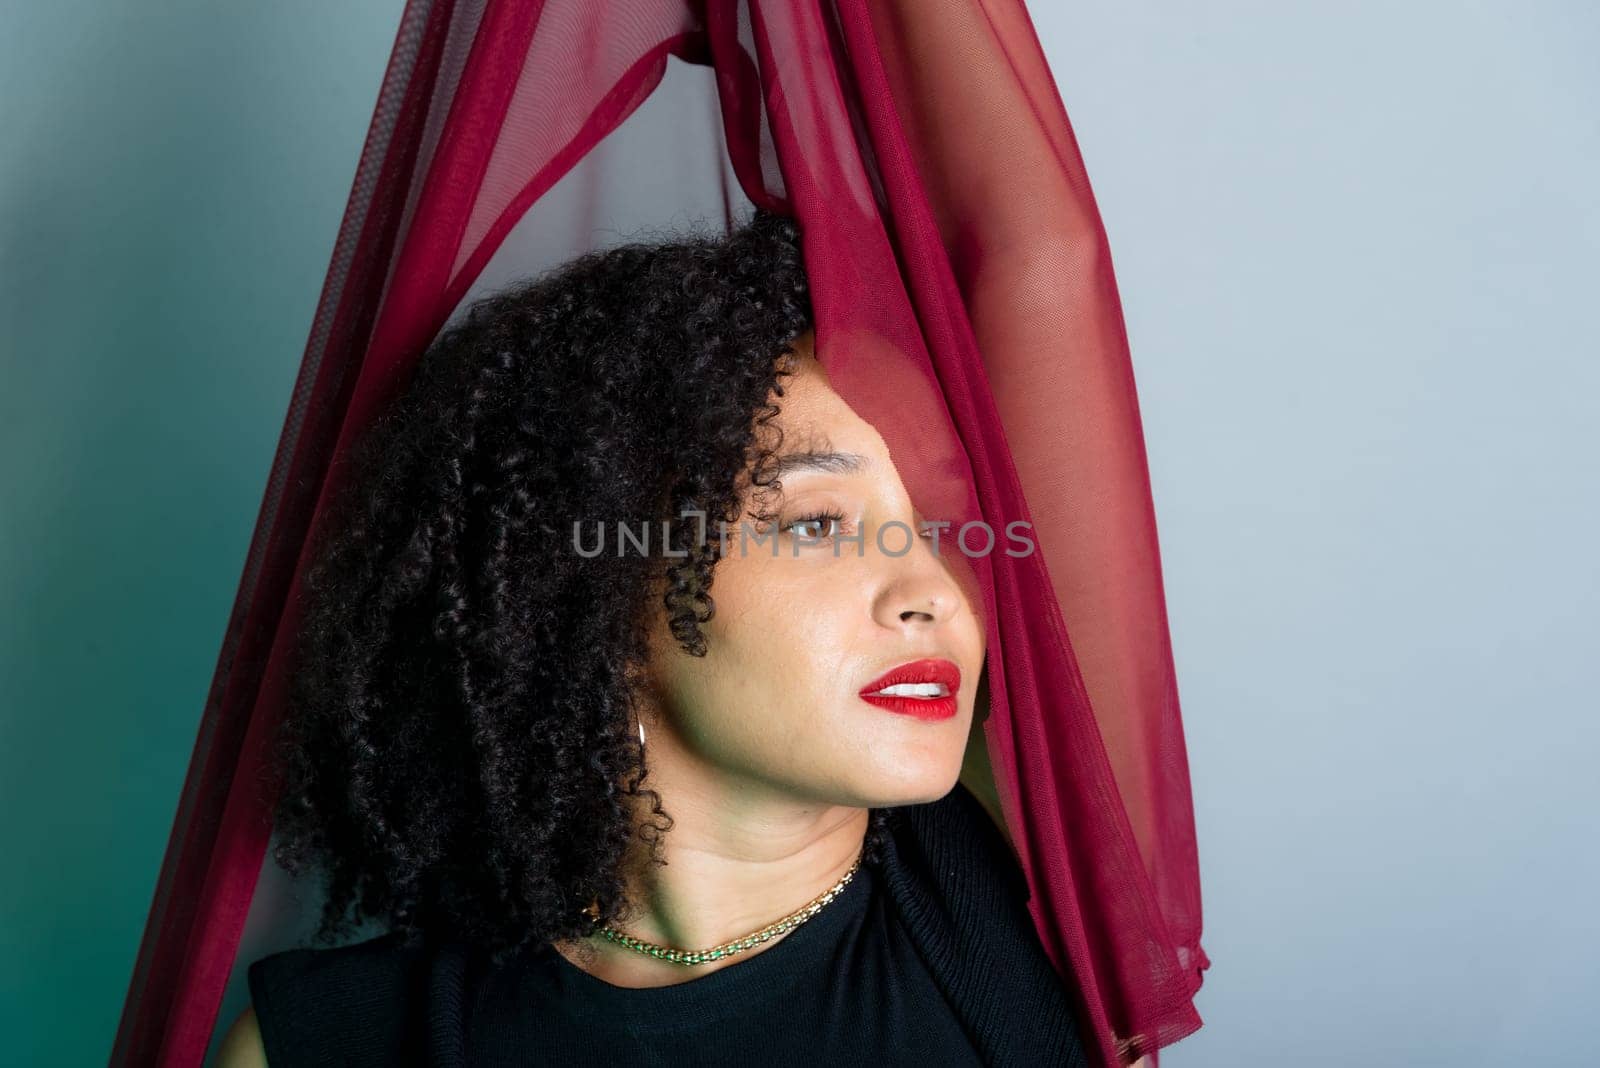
(910,782)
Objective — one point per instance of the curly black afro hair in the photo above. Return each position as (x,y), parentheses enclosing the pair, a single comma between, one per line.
(457,755)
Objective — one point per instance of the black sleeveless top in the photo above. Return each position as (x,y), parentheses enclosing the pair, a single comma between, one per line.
(919,963)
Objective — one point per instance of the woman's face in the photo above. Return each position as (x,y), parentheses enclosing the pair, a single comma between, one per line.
(774,709)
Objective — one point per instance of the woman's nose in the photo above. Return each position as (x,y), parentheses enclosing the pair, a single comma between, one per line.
(918,588)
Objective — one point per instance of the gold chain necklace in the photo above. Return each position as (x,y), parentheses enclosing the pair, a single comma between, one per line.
(738,945)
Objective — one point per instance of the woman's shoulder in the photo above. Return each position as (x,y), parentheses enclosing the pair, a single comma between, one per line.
(385,954)
(358,1001)
(383,964)
(241,1046)
(963,897)
(959,831)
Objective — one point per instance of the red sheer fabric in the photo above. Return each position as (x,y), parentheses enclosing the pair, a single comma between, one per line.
(965,305)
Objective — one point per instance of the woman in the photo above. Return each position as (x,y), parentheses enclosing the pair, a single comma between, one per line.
(614,708)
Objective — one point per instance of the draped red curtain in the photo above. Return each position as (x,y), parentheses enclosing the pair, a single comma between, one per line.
(966,306)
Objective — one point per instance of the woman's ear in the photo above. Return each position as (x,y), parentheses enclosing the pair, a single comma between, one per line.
(637,677)
(643,684)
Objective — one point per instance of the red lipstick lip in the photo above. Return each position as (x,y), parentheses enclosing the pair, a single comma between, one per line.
(928,670)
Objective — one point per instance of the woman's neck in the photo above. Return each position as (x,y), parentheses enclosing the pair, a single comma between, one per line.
(737,860)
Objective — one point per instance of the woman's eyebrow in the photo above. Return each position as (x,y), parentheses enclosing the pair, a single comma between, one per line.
(825,460)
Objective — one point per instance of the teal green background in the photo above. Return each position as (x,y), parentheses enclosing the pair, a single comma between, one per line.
(1356,247)
(172,178)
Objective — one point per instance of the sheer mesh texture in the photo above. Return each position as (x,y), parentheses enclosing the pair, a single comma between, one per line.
(966,306)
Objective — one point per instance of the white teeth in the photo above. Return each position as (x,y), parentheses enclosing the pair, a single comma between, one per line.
(914,689)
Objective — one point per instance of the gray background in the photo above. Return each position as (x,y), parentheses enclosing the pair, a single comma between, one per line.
(1356,249)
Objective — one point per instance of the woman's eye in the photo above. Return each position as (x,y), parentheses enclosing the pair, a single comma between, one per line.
(815,527)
